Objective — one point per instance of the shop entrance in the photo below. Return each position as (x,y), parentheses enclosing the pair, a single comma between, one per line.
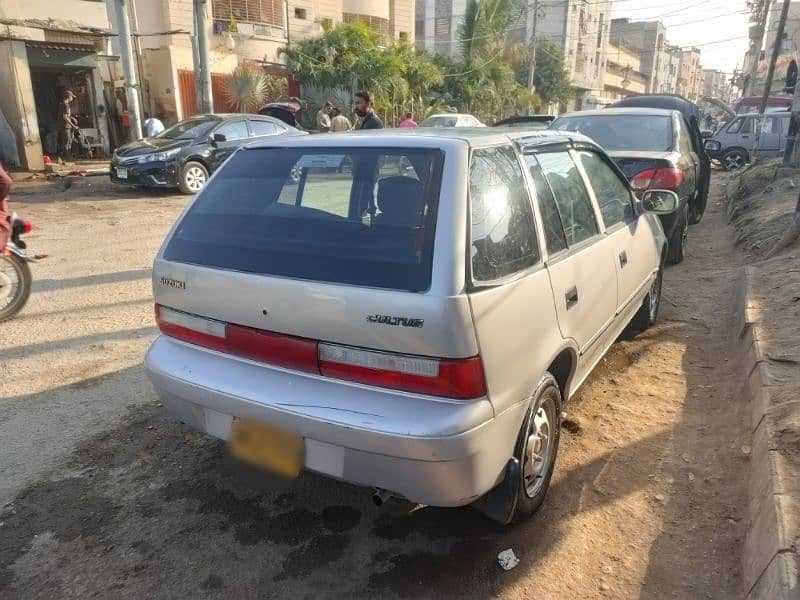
(49,86)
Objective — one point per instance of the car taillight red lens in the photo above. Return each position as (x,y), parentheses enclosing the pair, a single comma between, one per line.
(273,348)
(657,179)
(189,328)
(460,379)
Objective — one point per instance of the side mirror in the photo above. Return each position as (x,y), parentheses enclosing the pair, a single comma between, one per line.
(660,202)
(712,146)
(219,137)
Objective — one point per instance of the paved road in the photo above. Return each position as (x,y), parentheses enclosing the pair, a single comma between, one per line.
(106,496)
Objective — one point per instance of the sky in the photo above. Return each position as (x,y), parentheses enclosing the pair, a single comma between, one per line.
(697,22)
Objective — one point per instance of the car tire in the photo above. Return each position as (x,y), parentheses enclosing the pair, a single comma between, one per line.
(679,239)
(647,315)
(537,447)
(193,177)
(733,160)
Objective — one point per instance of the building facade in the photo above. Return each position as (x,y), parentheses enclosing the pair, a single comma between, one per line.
(623,74)
(690,74)
(716,84)
(47,48)
(436,25)
(649,38)
(239,31)
(582,30)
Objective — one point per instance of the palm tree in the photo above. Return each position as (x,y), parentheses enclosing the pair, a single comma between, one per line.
(246,90)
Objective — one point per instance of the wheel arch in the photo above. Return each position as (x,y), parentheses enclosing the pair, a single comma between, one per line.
(562,368)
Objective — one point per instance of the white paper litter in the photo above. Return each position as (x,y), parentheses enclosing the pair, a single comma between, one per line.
(507,559)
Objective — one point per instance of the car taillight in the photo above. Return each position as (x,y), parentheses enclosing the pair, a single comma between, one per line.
(192,329)
(273,348)
(657,179)
(460,379)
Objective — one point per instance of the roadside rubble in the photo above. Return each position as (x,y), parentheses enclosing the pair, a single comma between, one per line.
(762,204)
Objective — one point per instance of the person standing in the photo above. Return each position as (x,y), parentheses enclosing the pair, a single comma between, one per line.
(66,125)
(339,122)
(363,108)
(324,117)
(408,122)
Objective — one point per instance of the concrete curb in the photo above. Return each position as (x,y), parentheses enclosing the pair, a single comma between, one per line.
(771,564)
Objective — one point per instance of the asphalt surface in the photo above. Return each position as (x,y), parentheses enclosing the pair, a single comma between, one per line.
(102,494)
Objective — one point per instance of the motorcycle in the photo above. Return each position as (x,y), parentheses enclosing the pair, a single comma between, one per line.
(15,274)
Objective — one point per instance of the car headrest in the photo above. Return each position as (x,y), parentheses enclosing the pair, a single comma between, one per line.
(400,201)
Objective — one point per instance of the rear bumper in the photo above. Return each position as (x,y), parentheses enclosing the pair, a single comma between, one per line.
(442,453)
(157,174)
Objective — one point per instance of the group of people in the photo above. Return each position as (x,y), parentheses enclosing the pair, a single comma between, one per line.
(331,119)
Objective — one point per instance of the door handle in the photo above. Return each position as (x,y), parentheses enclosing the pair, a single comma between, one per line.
(623,258)
(571,297)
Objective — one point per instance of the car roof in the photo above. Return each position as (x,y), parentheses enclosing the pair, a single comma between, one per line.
(450,115)
(430,138)
(606,112)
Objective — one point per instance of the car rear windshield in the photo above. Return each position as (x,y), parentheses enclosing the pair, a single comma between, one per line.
(361,217)
(615,133)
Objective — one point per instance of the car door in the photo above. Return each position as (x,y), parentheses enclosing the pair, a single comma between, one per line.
(510,297)
(770,140)
(226,139)
(583,275)
(637,254)
(263,128)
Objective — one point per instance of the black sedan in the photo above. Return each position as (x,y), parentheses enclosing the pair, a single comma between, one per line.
(185,155)
(653,148)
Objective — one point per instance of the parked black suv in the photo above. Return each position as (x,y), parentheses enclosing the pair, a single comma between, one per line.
(184,155)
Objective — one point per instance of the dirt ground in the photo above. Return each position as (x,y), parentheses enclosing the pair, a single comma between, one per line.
(102,494)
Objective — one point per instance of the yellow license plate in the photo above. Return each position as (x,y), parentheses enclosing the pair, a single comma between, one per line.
(265,446)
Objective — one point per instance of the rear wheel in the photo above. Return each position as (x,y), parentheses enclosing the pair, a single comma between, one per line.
(679,239)
(193,177)
(537,447)
(15,285)
(648,312)
(733,160)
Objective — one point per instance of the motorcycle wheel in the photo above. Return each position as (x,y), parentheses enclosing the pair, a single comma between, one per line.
(15,285)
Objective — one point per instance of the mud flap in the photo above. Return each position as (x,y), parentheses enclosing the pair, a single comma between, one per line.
(501,502)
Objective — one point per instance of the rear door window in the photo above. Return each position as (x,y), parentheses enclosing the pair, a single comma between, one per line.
(259,128)
(574,204)
(612,193)
(362,216)
(503,234)
(554,235)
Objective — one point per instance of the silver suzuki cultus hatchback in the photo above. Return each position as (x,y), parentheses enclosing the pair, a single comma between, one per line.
(404,311)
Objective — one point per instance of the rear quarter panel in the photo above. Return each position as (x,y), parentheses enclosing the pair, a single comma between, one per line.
(517,330)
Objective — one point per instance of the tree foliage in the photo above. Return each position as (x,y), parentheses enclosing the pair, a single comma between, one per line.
(485,81)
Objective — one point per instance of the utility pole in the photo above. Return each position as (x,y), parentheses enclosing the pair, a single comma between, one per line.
(776,50)
(204,98)
(534,25)
(751,83)
(129,69)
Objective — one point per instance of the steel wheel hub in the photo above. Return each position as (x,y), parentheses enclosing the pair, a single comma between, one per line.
(538,451)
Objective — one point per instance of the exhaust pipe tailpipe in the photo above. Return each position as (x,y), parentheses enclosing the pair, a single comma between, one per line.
(379,496)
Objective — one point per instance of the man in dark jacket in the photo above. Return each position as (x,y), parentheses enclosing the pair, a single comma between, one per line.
(363,108)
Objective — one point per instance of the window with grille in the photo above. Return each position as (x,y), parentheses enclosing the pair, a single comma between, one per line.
(266,12)
(442,26)
(378,25)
